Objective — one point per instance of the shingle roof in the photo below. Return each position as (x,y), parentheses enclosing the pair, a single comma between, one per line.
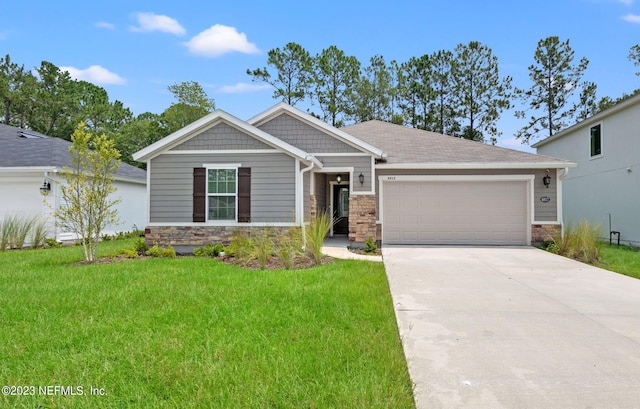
(25,148)
(405,146)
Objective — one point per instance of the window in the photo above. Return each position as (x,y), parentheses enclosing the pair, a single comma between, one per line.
(596,140)
(221,194)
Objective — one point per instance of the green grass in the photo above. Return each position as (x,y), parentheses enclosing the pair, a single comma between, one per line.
(196,333)
(621,259)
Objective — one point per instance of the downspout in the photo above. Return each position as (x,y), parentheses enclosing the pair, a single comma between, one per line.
(561,177)
(314,162)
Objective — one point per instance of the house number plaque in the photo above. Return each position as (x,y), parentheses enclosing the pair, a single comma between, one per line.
(545,199)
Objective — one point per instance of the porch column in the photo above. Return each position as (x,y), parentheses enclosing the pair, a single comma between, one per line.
(362,218)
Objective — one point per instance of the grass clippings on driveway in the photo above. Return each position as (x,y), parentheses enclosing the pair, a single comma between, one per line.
(194,332)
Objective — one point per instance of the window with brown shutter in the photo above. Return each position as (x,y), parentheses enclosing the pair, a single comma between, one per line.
(244,195)
(199,194)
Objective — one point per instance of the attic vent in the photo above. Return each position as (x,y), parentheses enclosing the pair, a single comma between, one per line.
(27,135)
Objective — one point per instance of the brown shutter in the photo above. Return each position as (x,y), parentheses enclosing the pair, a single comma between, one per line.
(199,194)
(244,195)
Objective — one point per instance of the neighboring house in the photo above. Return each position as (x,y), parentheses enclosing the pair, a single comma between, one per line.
(606,184)
(387,182)
(29,159)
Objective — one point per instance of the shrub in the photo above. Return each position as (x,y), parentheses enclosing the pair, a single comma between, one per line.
(289,246)
(161,252)
(316,233)
(370,245)
(14,231)
(581,244)
(263,247)
(140,246)
(209,250)
(241,246)
(130,253)
(52,242)
(38,233)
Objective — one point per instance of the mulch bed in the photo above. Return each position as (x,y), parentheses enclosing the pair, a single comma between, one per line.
(273,263)
(376,252)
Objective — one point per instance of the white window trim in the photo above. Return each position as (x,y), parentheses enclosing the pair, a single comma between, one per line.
(600,155)
(222,166)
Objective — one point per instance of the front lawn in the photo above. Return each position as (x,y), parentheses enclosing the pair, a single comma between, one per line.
(196,333)
(621,259)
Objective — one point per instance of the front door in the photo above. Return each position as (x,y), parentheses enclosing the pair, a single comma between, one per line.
(341,209)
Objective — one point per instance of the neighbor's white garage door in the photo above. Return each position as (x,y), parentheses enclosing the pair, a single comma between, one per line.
(458,212)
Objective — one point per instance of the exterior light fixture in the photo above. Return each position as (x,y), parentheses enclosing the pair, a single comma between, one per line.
(547,180)
(45,188)
(361,178)
(338,179)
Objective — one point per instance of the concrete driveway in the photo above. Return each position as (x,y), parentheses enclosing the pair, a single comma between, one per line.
(515,328)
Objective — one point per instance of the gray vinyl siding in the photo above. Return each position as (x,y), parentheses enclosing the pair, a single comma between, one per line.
(359,164)
(321,192)
(272,185)
(608,184)
(221,137)
(543,212)
(304,136)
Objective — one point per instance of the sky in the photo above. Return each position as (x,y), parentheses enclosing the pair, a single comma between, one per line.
(136,49)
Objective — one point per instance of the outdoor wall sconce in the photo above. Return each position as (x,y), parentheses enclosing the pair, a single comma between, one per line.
(361,178)
(45,188)
(338,179)
(546,180)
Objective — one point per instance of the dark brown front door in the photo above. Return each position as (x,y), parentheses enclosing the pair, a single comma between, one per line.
(341,209)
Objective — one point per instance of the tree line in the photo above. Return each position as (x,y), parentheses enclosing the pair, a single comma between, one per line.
(456,92)
(47,100)
(459,92)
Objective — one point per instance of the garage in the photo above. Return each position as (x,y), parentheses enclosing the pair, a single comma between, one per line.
(456,211)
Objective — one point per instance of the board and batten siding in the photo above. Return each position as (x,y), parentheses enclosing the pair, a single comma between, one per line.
(543,211)
(304,136)
(272,185)
(221,137)
(359,164)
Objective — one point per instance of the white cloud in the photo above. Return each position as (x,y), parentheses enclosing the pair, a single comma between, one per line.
(149,22)
(218,40)
(94,74)
(632,18)
(242,88)
(104,24)
(626,2)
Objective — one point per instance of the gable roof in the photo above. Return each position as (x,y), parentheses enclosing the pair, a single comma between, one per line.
(211,120)
(627,103)
(345,137)
(22,148)
(412,148)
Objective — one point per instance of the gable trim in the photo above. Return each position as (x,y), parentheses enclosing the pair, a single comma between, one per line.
(342,136)
(209,121)
(226,152)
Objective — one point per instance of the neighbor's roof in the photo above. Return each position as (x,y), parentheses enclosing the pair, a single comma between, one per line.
(25,148)
(622,105)
(414,148)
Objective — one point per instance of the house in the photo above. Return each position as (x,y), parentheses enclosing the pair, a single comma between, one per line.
(382,181)
(30,160)
(605,187)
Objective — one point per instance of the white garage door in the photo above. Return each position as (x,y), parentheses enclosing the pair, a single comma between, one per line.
(455,212)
